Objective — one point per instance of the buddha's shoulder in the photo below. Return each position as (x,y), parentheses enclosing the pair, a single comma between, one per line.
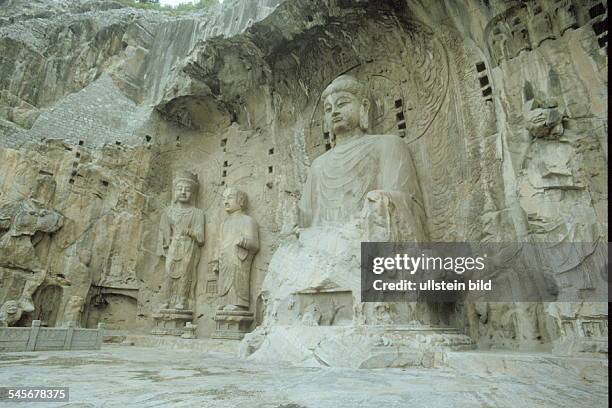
(389,139)
(385,143)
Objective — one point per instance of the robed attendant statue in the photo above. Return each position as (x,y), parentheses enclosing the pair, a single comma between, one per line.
(239,242)
(181,236)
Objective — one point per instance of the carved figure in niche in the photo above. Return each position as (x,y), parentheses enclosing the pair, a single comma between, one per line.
(543,119)
(565,16)
(72,313)
(499,45)
(312,316)
(181,235)
(540,26)
(239,242)
(520,38)
(369,178)
(10,313)
(27,223)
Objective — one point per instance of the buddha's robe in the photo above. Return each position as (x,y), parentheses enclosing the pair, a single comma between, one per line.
(235,261)
(181,236)
(339,181)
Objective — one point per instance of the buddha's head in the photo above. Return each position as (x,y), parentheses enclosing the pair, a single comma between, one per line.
(185,185)
(346,106)
(234,200)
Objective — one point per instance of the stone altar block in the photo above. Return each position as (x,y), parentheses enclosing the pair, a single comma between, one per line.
(171,322)
(232,324)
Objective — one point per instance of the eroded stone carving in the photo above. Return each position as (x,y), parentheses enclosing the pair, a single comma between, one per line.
(10,313)
(370,178)
(543,119)
(239,242)
(582,327)
(27,222)
(526,26)
(73,310)
(364,189)
(181,234)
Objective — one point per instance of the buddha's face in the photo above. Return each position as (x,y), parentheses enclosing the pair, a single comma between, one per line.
(231,203)
(183,191)
(342,112)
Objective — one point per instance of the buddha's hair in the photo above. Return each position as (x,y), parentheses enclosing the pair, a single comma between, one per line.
(346,83)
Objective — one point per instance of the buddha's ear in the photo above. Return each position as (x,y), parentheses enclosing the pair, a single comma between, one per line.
(364,114)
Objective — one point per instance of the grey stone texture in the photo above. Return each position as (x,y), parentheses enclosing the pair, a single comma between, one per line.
(502,106)
(149,377)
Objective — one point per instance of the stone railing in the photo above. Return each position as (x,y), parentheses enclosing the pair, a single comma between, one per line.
(37,338)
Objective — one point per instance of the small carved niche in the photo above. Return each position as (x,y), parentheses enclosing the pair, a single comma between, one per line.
(211,287)
(597,10)
(599,18)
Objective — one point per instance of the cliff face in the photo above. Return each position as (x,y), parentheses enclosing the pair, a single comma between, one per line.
(100,104)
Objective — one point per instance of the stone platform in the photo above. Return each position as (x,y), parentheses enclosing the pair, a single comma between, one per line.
(177,343)
(171,322)
(163,377)
(232,324)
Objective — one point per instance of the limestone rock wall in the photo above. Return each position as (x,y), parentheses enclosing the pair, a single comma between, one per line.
(233,94)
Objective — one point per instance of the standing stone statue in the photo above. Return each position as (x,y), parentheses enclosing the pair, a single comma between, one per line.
(239,242)
(181,234)
(72,313)
(27,221)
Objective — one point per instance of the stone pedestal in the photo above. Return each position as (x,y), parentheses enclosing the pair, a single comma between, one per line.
(171,322)
(232,324)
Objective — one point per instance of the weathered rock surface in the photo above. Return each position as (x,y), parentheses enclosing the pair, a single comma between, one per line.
(503,107)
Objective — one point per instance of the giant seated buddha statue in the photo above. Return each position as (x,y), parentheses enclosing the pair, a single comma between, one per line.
(364,189)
